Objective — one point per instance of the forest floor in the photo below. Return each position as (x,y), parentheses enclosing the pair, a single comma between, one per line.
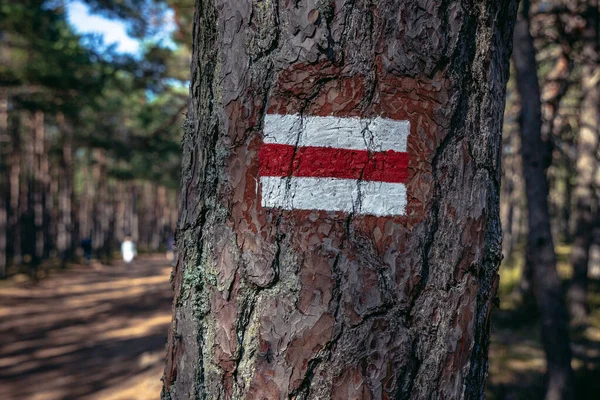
(517,360)
(98,332)
(88,332)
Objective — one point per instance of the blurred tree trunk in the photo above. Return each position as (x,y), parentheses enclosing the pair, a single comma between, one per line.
(109,225)
(15,189)
(103,218)
(51,205)
(65,230)
(39,185)
(156,218)
(120,204)
(512,192)
(163,210)
(27,188)
(3,217)
(4,181)
(586,198)
(85,202)
(540,254)
(283,304)
(134,213)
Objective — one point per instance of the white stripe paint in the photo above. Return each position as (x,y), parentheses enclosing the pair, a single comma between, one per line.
(347,195)
(375,134)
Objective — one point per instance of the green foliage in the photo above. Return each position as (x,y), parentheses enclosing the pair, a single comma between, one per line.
(130,107)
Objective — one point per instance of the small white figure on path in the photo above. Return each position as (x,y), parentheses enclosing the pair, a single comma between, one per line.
(128,250)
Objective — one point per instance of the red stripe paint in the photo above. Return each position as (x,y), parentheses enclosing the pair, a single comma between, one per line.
(325,162)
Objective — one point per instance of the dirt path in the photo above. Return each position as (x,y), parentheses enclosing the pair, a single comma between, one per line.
(86,333)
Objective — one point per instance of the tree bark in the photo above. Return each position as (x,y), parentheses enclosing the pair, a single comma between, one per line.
(310,304)
(540,254)
(586,191)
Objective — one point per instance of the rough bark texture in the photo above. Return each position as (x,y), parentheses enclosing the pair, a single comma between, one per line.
(540,247)
(313,304)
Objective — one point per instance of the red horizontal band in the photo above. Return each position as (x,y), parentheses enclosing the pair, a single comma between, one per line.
(325,162)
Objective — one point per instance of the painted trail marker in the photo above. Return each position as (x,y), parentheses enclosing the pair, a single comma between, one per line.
(346,164)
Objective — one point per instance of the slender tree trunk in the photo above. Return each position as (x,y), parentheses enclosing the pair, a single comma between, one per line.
(15,190)
(65,194)
(163,210)
(3,222)
(98,202)
(540,248)
(27,189)
(511,202)
(4,181)
(134,213)
(51,207)
(357,293)
(39,186)
(568,205)
(86,211)
(109,222)
(586,191)
(156,219)
(120,215)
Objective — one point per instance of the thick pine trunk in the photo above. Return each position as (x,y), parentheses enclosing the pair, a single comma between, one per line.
(310,304)
(586,190)
(540,248)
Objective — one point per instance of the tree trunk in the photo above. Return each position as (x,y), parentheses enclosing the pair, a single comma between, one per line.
(15,190)
(4,181)
(39,186)
(511,202)
(540,248)
(99,202)
(27,189)
(381,284)
(586,199)
(65,230)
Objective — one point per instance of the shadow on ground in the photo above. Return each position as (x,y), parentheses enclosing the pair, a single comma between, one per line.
(89,332)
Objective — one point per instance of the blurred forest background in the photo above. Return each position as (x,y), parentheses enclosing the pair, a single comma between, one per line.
(90,150)
(89,137)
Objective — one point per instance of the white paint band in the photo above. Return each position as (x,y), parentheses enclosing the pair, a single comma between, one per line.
(347,195)
(375,134)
